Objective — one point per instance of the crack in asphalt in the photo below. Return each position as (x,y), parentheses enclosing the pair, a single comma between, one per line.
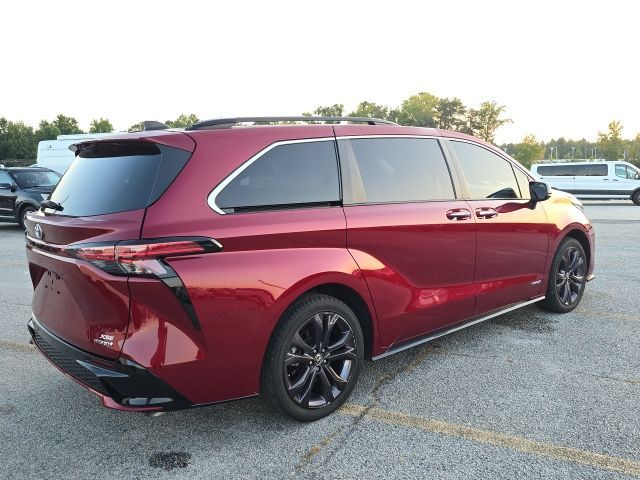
(17,346)
(384,380)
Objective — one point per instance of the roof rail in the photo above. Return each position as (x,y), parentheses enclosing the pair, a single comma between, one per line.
(230,122)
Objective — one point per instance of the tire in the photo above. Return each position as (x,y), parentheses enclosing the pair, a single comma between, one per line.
(567,277)
(323,331)
(23,214)
(635,197)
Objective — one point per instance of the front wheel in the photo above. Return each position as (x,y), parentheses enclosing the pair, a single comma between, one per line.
(314,358)
(23,214)
(636,197)
(567,277)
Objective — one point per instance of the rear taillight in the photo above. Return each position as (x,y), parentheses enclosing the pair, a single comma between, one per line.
(141,257)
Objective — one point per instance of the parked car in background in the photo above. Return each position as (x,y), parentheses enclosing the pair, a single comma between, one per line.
(228,259)
(55,154)
(600,179)
(22,189)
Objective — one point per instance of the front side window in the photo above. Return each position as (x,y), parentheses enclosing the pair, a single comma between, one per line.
(621,171)
(633,173)
(393,170)
(5,178)
(289,175)
(488,175)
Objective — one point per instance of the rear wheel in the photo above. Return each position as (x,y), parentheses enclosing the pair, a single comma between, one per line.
(567,277)
(23,214)
(636,197)
(314,358)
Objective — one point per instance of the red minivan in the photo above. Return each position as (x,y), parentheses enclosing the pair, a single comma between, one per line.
(177,268)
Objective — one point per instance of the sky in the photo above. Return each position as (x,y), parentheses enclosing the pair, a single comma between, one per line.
(561,68)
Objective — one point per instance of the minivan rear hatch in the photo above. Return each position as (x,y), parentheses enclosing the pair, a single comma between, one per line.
(81,293)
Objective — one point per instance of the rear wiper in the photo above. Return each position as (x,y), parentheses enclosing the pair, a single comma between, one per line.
(51,204)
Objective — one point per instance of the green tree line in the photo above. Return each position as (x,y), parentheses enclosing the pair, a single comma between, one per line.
(19,141)
(427,110)
(610,145)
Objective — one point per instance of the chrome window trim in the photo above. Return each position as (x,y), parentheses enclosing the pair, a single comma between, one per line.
(211,198)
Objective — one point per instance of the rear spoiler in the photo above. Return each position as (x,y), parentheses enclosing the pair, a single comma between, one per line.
(147,126)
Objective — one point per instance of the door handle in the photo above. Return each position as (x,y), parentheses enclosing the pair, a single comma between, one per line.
(616,180)
(459,214)
(486,213)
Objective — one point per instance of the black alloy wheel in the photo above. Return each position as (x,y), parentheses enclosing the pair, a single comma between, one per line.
(570,276)
(314,358)
(319,360)
(567,277)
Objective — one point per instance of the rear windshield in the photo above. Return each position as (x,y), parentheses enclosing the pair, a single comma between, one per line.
(111,177)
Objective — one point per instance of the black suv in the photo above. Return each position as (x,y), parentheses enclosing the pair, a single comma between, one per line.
(22,189)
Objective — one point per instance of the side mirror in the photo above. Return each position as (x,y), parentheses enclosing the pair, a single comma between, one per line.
(540,191)
(7,186)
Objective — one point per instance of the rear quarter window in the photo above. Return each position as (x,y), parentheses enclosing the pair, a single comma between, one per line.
(286,176)
(111,177)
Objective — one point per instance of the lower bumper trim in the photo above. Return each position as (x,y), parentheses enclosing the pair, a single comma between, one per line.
(121,384)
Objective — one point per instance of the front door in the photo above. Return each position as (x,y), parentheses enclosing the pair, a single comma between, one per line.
(512,237)
(7,196)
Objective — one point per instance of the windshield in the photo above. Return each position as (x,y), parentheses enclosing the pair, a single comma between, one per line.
(29,179)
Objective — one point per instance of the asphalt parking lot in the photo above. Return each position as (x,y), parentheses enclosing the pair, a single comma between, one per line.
(529,394)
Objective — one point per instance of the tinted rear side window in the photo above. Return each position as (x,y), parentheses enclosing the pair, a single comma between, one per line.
(111,177)
(488,175)
(388,170)
(295,174)
(595,170)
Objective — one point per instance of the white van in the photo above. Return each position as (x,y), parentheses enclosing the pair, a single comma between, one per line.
(599,179)
(55,154)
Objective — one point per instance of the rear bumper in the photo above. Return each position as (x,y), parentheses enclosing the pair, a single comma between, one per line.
(120,384)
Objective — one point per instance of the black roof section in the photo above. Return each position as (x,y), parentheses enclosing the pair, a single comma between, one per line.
(230,122)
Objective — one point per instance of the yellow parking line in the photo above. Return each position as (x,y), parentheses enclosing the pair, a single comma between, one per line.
(549,450)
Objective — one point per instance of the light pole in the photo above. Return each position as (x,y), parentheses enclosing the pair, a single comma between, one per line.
(573,152)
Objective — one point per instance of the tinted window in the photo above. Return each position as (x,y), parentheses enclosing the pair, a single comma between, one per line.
(488,175)
(36,179)
(595,170)
(5,178)
(117,177)
(557,170)
(293,174)
(378,170)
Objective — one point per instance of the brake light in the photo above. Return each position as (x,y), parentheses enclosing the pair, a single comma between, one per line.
(141,257)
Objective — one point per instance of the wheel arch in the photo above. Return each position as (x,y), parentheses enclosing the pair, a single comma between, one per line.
(21,206)
(581,237)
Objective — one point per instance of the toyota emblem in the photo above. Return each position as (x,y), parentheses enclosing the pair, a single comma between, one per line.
(38,231)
